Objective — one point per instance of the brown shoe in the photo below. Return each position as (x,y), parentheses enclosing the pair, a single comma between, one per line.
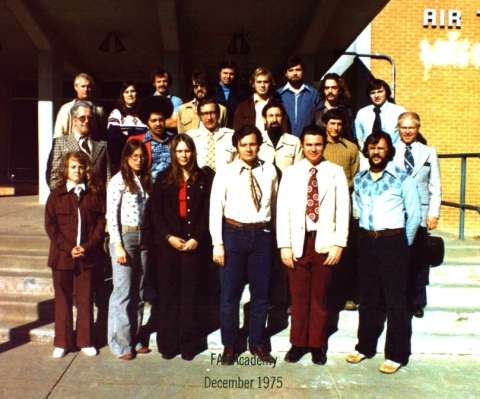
(262,353)
(229,356)
(127,356)
(144,350)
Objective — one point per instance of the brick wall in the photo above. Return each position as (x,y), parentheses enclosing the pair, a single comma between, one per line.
(447,97)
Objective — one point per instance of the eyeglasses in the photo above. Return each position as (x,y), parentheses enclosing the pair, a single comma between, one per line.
(84,118)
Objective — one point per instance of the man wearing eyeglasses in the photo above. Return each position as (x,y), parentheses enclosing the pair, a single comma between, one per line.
(80,139)
(213,143)
(187,115)
(84,87)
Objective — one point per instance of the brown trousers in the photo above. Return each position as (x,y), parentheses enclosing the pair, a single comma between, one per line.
(309,282)
(67,284)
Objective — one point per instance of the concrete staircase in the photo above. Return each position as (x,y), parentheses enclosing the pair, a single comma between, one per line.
(451,324)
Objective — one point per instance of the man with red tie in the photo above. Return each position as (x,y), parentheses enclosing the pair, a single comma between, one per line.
(312,228)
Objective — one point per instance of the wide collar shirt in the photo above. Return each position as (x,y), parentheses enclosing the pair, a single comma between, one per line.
(77,189)
(287,151)
(231,196)
(124,207)
(390,202)
(259,104)
(300,105)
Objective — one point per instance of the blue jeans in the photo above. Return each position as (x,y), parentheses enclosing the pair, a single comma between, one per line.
(248,257)
(125,311)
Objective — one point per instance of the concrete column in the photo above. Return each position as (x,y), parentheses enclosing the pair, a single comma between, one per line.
(49,95)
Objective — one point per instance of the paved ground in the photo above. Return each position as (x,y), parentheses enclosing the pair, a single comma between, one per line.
(28,371)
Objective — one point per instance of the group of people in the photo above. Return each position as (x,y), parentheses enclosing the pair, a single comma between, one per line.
(278,189)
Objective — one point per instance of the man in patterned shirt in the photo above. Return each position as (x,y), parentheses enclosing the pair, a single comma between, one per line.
(155,111)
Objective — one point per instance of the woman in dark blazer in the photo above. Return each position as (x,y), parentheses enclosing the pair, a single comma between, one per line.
(75,224)
(179,221)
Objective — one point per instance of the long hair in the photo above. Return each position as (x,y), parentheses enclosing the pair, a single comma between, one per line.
(124,110)
(175,174)
(128,174)
(374,138)
(83,159)
(343,92)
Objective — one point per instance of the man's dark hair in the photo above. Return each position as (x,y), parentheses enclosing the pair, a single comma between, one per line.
(343,93)
(227,64)
(334,113)
(246,130)
(273,103)
(161,72)
(200,77)
(376,84)
(294,60)
(374,138)
(208,100)
(313,130)
(155,105)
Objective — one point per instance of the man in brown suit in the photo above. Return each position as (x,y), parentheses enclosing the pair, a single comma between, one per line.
(79,140)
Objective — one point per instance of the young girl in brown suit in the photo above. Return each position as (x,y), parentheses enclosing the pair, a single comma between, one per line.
(75,224)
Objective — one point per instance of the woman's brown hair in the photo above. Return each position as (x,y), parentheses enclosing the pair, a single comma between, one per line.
(90,178)
(127,172)
(175,175)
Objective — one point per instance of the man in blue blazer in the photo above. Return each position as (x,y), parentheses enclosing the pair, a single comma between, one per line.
(421,162)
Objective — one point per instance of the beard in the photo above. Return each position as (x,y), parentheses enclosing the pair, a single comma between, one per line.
(377,167)
(274,130)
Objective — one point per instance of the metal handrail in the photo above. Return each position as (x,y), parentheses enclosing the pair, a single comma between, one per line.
(463,184)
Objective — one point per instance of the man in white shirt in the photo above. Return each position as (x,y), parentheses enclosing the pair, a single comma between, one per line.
(213,143)
(241,213)
(312,228)
(79,140)
(84,87)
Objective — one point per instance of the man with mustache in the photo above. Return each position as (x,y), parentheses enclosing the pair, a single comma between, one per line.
(388,204)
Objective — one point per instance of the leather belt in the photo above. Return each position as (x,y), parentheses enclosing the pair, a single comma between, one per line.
(240,225)
(130,229)
(382,233)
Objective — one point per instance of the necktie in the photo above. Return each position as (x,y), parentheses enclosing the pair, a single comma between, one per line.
(377,123)
(210,157)
(85,146)
(408,159)
(312,195)
(255,189)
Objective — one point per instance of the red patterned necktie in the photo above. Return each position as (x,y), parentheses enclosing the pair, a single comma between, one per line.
(312,195)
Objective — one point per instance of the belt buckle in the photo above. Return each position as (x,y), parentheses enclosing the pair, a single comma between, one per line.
(376,234)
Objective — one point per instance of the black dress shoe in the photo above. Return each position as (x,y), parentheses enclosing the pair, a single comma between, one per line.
(188,356)
(295,353)
(418,312)
(229,356)
(319,356)
(262,353)
(169,355)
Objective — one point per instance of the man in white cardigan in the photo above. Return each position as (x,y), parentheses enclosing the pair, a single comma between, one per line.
(312,228)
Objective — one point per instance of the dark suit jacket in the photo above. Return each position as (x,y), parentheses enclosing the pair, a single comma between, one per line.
(164,214)
(61,221)
(65,144)
(236,96)
(245,114)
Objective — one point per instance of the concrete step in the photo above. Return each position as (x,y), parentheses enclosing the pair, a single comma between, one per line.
(459,274)
(24,243)
(26,308)
(37,283)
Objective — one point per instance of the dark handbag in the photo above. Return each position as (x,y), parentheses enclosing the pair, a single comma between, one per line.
(434,250)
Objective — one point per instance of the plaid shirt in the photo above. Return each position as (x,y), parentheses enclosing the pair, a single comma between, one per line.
(160,152)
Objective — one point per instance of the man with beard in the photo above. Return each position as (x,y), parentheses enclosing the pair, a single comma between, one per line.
(300,100)
(187,115)
(335,95)
(279,147)
(388,205)
(213,143)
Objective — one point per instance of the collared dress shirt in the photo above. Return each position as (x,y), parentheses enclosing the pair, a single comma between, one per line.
(259,105)
(390,202)
(77,188)
(286,153)
(224,150)
(300,105)
(389,113)
(81,139)
(124,207)
(231,196)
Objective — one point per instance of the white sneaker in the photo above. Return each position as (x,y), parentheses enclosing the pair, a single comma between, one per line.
(89,351)
(58,353)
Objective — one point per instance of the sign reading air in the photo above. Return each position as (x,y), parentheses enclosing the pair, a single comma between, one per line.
(442,18)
